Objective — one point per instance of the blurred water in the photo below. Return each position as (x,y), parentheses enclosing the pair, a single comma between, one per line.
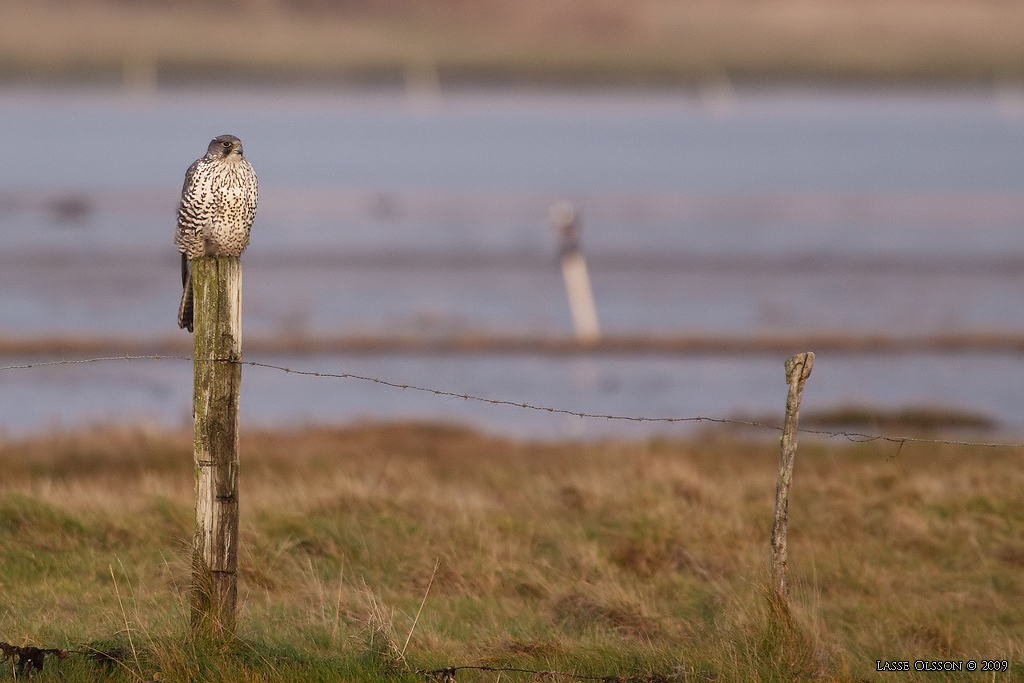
(777,209)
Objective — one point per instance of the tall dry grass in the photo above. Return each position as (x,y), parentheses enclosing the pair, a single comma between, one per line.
(372,551)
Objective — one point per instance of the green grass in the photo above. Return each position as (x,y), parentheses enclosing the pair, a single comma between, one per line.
(638,559)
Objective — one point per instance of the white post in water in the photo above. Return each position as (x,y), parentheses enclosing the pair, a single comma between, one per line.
(574,270)
(217,288)
(798,369)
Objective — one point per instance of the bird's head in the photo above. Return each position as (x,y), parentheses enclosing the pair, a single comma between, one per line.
(223,146)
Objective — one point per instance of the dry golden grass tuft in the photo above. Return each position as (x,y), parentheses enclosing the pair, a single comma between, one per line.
(643,558)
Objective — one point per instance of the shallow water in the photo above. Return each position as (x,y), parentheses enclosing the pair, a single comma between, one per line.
(868,211)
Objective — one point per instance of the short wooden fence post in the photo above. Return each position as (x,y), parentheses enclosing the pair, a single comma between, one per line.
(217,288)
(798,369)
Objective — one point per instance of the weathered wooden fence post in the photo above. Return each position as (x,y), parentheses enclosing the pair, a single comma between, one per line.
(798,369)
(217,288)
(574,271)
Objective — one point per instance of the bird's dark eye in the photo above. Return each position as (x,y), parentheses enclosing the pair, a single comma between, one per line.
(226,143)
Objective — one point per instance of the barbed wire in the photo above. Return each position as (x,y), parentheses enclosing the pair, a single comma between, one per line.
(859,437)
(25,660)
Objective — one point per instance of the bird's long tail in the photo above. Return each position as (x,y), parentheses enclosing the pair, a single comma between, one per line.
(185,308)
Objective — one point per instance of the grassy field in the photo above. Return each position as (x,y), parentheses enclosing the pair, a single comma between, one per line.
(502,40)
(635,559)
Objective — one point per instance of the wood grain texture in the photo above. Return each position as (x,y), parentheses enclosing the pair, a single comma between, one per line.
(798,369)
(217,283)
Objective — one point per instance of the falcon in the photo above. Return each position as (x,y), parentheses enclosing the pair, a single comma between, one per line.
(218,205)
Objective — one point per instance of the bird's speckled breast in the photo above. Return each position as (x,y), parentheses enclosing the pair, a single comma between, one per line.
(218,206)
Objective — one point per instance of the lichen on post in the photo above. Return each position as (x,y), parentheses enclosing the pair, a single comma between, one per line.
(217,288)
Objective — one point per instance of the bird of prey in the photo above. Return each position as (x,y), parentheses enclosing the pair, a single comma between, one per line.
(218,205)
